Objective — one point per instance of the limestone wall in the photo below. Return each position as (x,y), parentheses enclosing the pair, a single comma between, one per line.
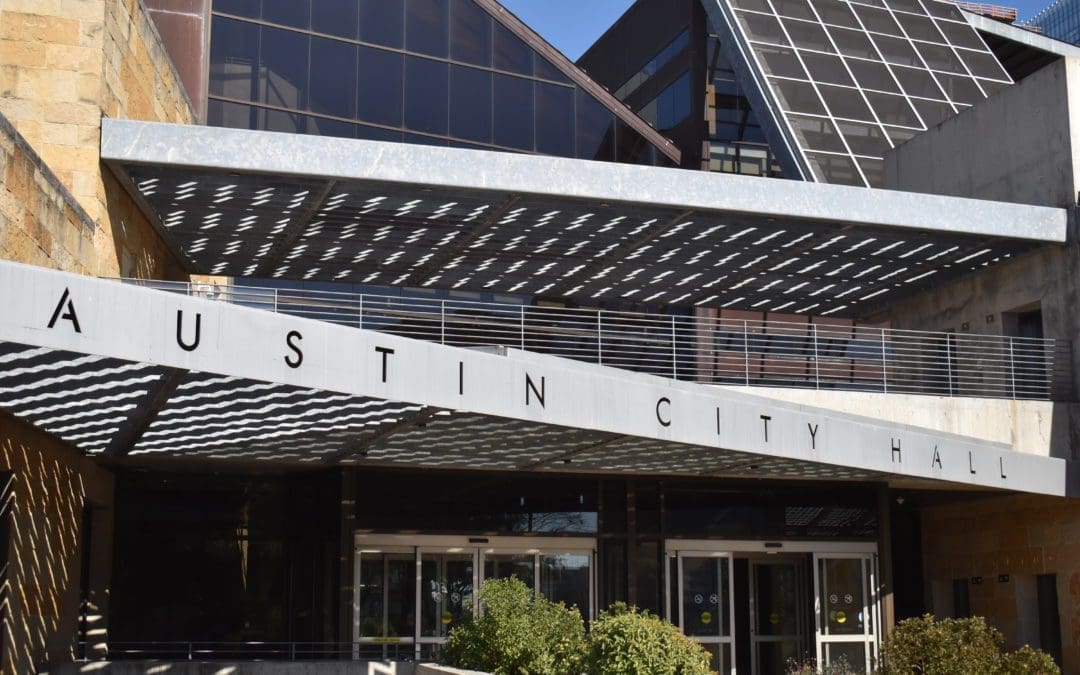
(52,482)
(1019,536)
(64,63)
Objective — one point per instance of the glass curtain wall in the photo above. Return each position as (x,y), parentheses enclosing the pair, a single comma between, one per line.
(435,72)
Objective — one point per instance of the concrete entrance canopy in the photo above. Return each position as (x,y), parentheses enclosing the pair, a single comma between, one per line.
(251,203)
(122,370)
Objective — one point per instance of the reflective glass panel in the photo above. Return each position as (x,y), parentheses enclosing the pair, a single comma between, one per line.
(387,595)
(506,565)
(382,22)
(817,133)
(426,94)
(284,60)
(808,35)
(897,50)
(595,129)
(554,119)
(236,115)
(247,8)
(853,43)
(546,70)
(982,64)
(514,112)
(843,590)
(932,112)
(944,10)
(333,77)
(827,68)
(564,577)
(917,83)
(446,592)
(835,12)
(864,139)
(798,97)
(844,102)
(940,57)
(961,35)
(470,33)
(798,9)
(334,17)
(912,6)
(379,86)
(762,28)
(295,13)
(234,59)
(511,53)
(837,169)
(780,61)
(704,599)
(878,20)
(892,109)
(427,25)
(920,28)
(873,75)
(321,126)
(847,657)
(470,103)
(960,89)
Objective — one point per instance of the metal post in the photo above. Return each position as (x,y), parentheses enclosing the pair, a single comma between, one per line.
(189,650)
(599,337)
(360,314)
(746,351)
(948,360)
(442,322)
(522,327)
(1012,368)
(884,365)
(817,366)
(674,352)
(275,300)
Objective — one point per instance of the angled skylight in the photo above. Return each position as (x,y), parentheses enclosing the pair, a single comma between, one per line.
(847,80)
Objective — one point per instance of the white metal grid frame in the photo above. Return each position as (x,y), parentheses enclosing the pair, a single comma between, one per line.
(940,43)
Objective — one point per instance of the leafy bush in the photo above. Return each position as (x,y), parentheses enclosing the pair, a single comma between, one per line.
(518,634)
(626,641)
(956,647)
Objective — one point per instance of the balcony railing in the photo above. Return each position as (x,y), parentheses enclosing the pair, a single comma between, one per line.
(819,354)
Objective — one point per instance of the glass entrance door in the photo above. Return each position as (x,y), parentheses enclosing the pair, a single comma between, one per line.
(846,612)
(705,604)
(410,591)
(778,613)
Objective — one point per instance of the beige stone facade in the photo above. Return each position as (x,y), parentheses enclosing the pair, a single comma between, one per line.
(64,64)
(1017,536)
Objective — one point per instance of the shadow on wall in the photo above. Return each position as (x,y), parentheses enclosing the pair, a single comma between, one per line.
(45,489)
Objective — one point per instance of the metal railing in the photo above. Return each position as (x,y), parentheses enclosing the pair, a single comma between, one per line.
(242,651)
(819,354)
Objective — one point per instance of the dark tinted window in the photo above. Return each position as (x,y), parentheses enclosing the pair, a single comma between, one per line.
(939,57)
(960,89)
(382,22)
(762,28)
(827,68)
(817,133)
(798,97)
(511,54)
(808,36)
(377,134)
(896,50)
(514,112)
(234,59)
(281,121)
(333,78)
(334,17)
(225,114)
(470,103)
(780,61)
(983,64)
(248,8)
(853,43)
(917,83)
(892,109)
(427,26)
(378,96)
(547,70)
(554,119)
(595,133)
(960,35)
(798,9)
(426,90)
(877,20)
(321,126)
(872,75)
(919,27)
(864,139)
(844,102)
(284,56)
(470,33)
(835,12)
(295,13)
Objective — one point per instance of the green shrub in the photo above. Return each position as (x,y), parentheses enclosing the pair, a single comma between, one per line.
(924,646)
(625,641)
(518,634)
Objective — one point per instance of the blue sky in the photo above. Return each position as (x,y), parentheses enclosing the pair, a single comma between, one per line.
(570,25)
(573,25)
